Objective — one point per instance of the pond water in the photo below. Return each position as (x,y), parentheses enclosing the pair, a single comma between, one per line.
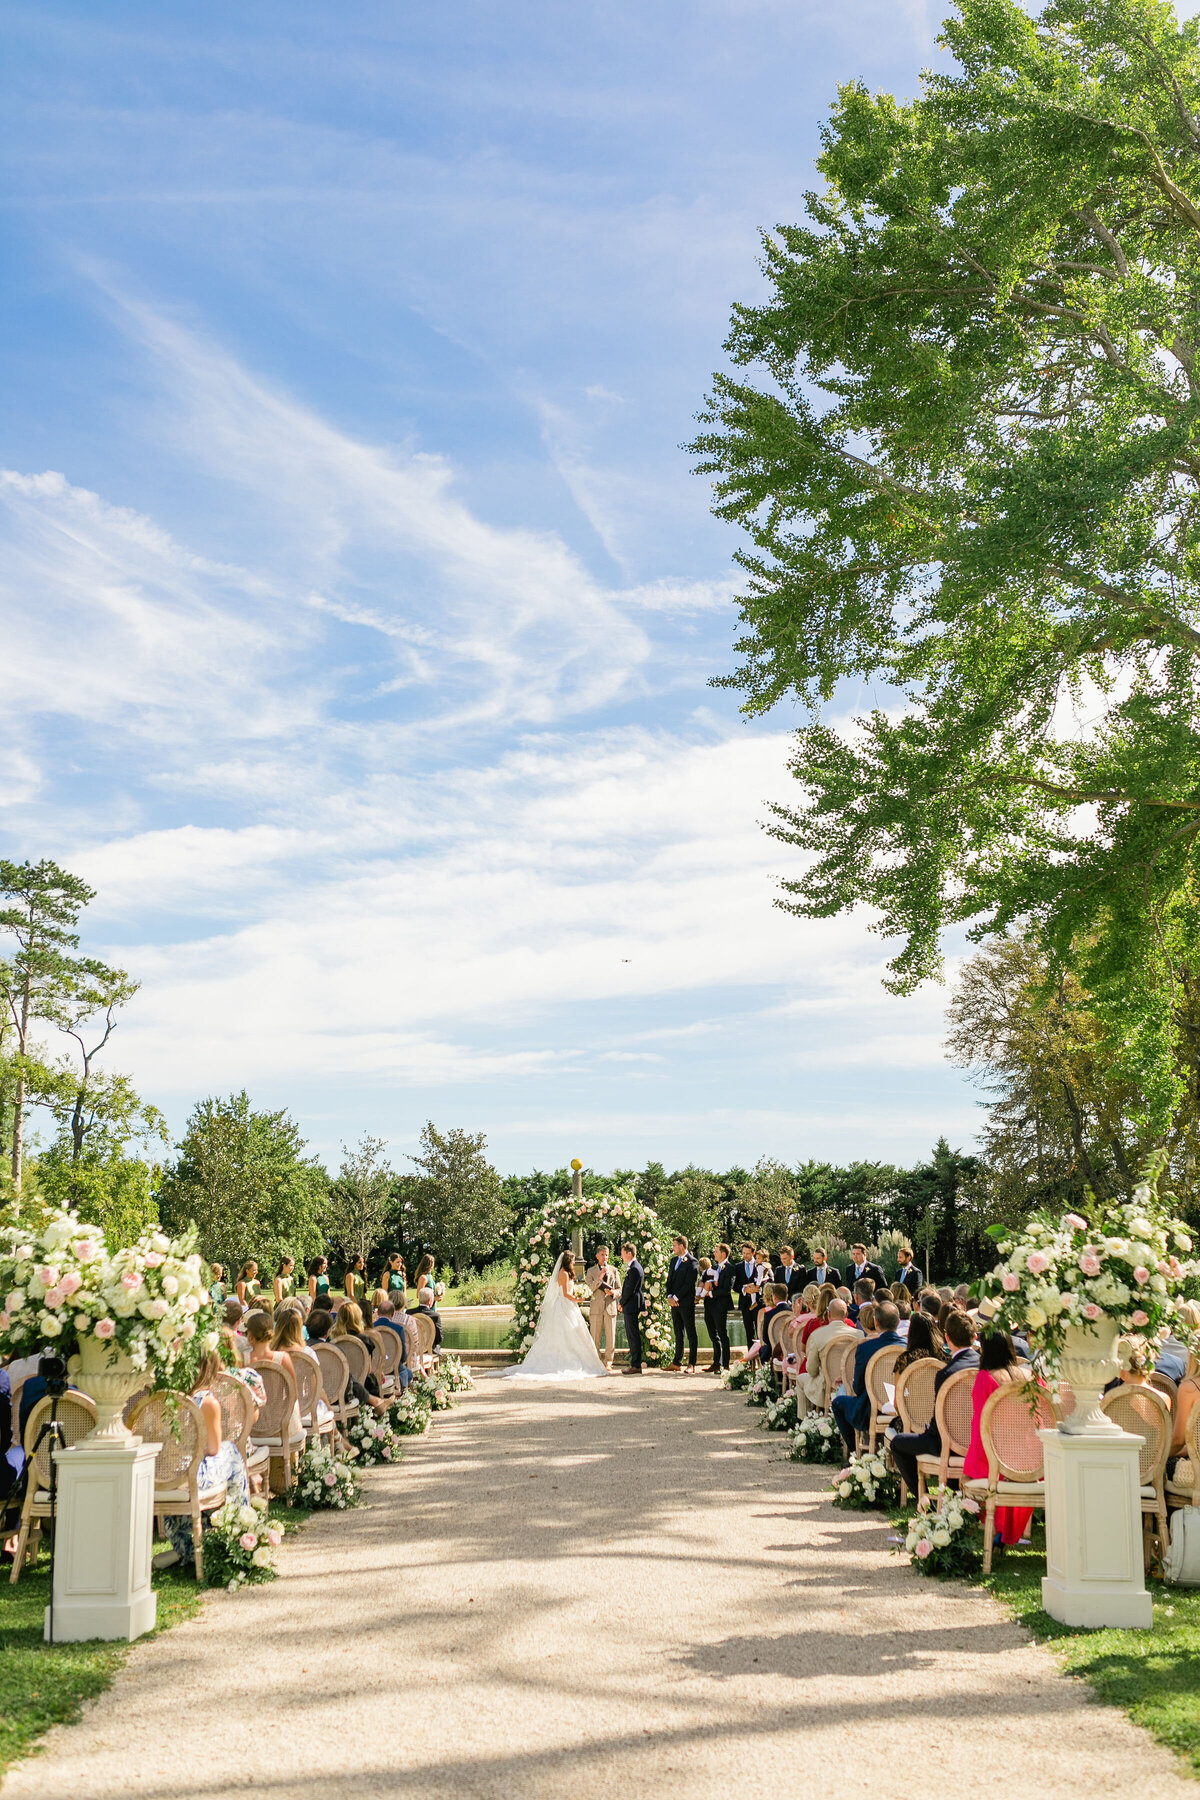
(489,1330)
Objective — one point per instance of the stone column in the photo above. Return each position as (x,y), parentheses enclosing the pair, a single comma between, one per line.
(577,1194)
(1094,1573)
(103,1539)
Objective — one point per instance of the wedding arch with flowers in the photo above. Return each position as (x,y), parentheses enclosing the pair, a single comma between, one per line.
(622,1218)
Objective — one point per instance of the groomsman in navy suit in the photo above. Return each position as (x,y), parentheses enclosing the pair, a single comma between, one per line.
(681,1297)
(788,1272)
(718,1307)
(745,1286)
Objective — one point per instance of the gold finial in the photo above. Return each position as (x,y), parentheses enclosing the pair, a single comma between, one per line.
(575,1163)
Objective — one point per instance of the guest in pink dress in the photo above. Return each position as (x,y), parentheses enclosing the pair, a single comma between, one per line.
(997,1365)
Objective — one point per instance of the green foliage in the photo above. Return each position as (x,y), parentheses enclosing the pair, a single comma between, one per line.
(359,1204)
(689,1205)
(966,448)
(242,1177)
(458,1204)
(106,1187)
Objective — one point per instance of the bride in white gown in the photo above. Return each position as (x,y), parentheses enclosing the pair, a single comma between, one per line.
(562,1347)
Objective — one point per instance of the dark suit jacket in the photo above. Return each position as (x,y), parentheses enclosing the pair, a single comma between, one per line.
(872,1272)
(633,1288)
(795,1279)
(764,1325)
(911,1279)
(859,1411)
(682,1277)
(722,1279)
(820,1276)
(929,1441)
(742,1280)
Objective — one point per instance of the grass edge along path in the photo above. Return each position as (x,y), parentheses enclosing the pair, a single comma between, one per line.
(1153,1676)
(43,1685)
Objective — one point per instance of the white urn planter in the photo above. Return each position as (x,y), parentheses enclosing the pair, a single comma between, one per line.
(1094,1574)
(109,1377)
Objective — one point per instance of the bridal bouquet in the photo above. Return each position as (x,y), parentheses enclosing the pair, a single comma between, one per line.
(62,1286)
(816,1439)
(945,1541)
(780,1414)
(866,1485)
(240,1545)
(1122,1265)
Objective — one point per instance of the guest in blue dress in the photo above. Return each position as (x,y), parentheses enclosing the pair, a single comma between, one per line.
(221,1465)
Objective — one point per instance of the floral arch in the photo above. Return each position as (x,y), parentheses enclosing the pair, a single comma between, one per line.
(624,1219)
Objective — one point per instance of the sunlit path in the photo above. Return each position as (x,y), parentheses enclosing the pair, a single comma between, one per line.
(622,1589)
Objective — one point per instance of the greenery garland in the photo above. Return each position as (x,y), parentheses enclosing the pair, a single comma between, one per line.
(628,1220)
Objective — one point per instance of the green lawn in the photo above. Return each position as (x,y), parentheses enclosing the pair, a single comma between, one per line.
(42,1685)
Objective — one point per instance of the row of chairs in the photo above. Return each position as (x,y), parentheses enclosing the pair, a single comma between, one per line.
(269,1443)
(1008,1426)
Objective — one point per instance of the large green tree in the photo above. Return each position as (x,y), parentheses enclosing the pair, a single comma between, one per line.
(361,1200)
(242,1177)
(964,436)
(459,1201)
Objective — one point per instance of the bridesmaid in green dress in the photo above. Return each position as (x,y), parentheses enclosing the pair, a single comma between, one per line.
(318,1281)
(284,1278)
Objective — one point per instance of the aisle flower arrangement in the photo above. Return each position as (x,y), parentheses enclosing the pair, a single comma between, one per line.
(433,1391)
(623,1218)
(780,1414)
(865,1485)
(240,1545)
(945,1538)
(816,1439)
(738,1376)
(325,1481)
(454,1374)
(760,1389)
(410,1414)
(374,1437)
(1122,1265)
(62,1285)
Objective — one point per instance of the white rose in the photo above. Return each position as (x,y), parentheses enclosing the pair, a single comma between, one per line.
(50,1325)
(170,1286)
(1035,1317)
(940,1539)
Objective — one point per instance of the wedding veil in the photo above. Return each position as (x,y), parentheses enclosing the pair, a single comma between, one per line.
(552,1291)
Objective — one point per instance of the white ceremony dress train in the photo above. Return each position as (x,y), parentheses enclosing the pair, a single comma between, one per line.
(562,1347)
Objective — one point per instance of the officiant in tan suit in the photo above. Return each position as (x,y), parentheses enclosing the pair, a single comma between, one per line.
(605,1285)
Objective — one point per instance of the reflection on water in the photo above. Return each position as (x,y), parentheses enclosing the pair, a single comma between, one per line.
(489,1331)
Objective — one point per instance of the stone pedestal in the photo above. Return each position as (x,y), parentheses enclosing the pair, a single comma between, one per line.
(1094,1573)
(103,1543)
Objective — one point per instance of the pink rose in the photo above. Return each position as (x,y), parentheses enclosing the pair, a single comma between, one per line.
(48,1275)
(1090,1264)
(153,1259)
(274,1538)
(130,1279)
(331,1479)
(1163,1268)
(1141,1318)
(71,1282)
(248,1541)
(105,1328)
(1038,1262)
(1092,1311)
(969,1505)
(1141,1276)
(924,1549)
(54,1297)
(1075,1222)
(85,1250)
(1174,1262)
(1010,1282)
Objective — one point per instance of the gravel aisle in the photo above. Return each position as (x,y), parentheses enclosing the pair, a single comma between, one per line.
(620,1589)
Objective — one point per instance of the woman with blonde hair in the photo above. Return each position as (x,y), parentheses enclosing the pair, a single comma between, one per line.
(220,1464)
(289,1338)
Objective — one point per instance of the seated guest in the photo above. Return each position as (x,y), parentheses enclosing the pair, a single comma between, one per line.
(826,1295)
(924,1339)
(852,1411)
(349,1324)
(387,1316)
(908,1445)
(1172,1359)
(1185,1404)
(997,1368)
(948,1308)
(864,1290)
(775,1300)
(260,1328)
(221,1462)
(427,1295)
(289,1338)
(234,1314)
(930,1301)
(866,1319)
(811,1382)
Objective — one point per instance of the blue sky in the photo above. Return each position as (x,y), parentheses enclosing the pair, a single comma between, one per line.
(359,603)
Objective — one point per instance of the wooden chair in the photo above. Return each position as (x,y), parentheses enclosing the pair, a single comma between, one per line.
(1008,1429)
(914,1392)
(335,1380)
(175,1423)
(952,1415)
(789,1350)
(833,1364)
(358,1357)
(426,1339)
(238,1410)
(1166,1386)
(274,1430)
(308,1392)
(1186,1491)
(379,1366)
(880,1370)
(393,1344)
(76,1417)
(1145,1412)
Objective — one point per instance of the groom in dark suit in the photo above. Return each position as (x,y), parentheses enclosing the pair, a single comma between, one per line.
(633,1305)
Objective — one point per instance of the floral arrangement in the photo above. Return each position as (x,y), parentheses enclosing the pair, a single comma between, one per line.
(738,1375)
(240,1545)
(816,1439)
(62,1286)
(760,1388)
(867,1485)
(433,1391)
(628,1220)
(945,1539)
(374,1437)
(410,1414)
(1121,1265)
(454,1374)
(780,1414)
(324,1480)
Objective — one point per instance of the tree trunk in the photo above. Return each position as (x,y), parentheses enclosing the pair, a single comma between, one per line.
(18,1145)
